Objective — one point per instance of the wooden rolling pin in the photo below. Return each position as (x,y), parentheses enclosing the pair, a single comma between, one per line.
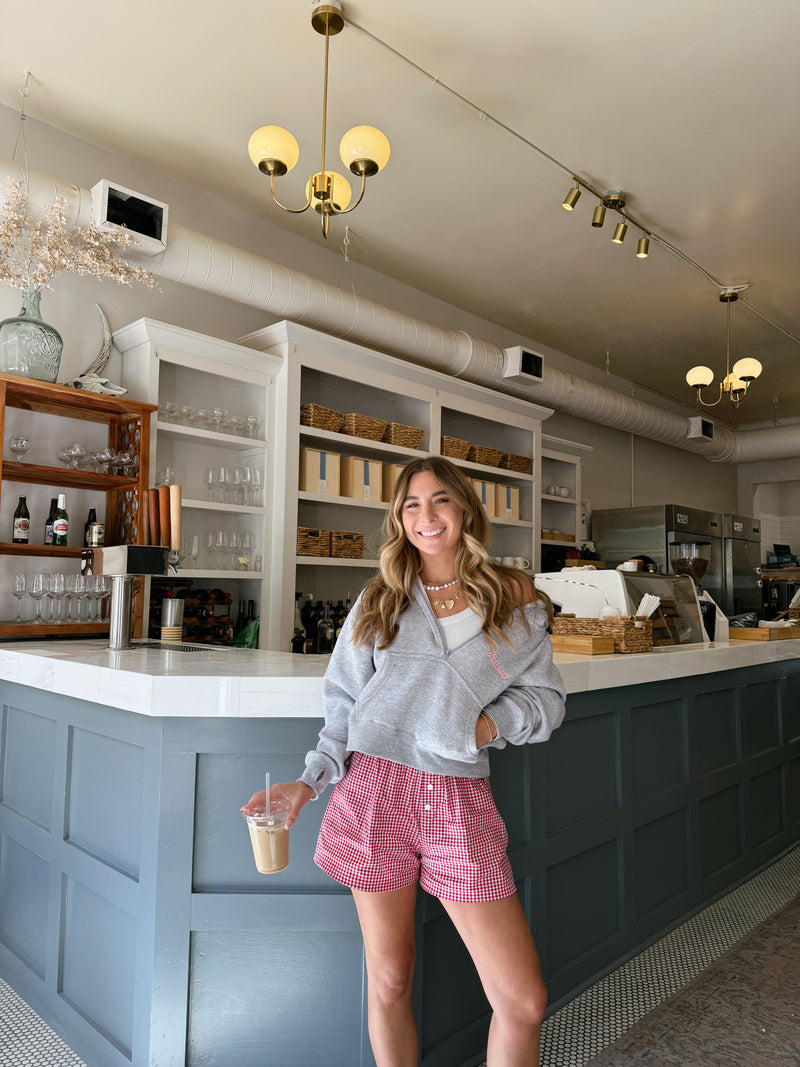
(175,518)
(153,517)
(163,514)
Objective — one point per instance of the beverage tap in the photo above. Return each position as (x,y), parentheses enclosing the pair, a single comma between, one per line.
(123,563)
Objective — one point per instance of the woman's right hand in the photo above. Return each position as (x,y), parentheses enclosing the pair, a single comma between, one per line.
(297,793)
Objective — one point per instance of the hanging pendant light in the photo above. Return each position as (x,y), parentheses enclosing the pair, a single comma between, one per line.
(738,378)
(364,150)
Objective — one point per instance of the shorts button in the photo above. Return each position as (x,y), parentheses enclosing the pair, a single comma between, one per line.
(427,807)
(430,786)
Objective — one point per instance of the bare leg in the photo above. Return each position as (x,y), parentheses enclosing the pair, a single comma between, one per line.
(387,925)
(500,943)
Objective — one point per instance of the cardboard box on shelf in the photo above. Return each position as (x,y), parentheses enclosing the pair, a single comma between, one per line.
(506,502)
(391,472)
(485,491)
(319,471)
(361,479)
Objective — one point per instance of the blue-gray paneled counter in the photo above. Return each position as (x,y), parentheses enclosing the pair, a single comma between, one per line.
(133,919)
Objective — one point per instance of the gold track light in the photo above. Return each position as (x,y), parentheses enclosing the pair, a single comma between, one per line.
(619,233)
(572,197)
(643,247)
(599,216)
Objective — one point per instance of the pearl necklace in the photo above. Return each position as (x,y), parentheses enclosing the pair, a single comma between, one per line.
(436,588)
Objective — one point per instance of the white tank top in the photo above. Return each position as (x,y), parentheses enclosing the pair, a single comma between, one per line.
(458,629)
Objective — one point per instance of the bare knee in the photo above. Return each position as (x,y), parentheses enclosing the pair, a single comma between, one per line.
(390,979)
(523,1006)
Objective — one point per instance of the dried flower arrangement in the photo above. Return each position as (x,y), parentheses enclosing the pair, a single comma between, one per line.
(33,251)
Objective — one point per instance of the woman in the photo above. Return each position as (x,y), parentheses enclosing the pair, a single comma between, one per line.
(444,655)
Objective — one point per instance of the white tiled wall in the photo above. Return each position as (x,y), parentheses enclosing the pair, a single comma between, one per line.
(779,529)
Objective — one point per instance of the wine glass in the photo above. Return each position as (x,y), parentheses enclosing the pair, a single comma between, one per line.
(20,445)
(72,583)
(218,417)
(19,590)
(37,588)
(102,592)
(104,458)
(236,424)
(167,409)
(123,461)
(57,589)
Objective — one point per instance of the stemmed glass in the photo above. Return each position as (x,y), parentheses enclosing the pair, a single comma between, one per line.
(57,588)
(218,417)
(19,591)
(20,445)
(123,461)
(104,458)
(167,409)
(102,592)
(37,588)
(74,583)
(253,422)
(76,453)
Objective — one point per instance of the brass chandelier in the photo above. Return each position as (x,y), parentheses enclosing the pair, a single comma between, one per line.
(737,378)
(364,150)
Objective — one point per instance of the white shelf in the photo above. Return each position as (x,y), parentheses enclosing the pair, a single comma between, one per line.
(330,561)
(342,501)
(563,544)
(512,522)
(499,474)
(257,576)
(233,442)
(212,505)
(559,499)
(362,444)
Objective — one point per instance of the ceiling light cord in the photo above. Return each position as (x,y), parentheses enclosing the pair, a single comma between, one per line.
(569,172)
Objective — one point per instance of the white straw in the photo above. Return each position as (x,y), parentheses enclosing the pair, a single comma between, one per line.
(269,806)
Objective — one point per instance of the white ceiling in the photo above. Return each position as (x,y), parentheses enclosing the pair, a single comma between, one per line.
(689,107)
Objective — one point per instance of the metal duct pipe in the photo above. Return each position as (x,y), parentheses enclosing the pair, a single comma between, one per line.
(214,266)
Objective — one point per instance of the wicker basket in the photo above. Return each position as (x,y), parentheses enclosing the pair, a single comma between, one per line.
(321,418)
(407,436)
(364,426)
(313,542)
(455,448)
(511,462)
(489,457)
(630,634)
(790,613)
(347,544)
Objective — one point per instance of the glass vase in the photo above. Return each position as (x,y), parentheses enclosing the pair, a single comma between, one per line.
(29,347)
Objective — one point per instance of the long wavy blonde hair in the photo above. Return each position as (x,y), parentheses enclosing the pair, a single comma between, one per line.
(493,591)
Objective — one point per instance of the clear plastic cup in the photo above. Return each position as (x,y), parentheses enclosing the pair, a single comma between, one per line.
(269,836)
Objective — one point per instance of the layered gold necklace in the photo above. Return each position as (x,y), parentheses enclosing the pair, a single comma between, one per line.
(449,601)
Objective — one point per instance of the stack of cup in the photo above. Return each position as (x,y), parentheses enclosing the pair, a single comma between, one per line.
(171,619)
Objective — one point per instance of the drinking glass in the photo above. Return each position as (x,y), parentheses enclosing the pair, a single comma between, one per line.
(73,583)
(77,454)
(184,415)
(19,590)
(37,588)
(20,445)
(218,417)
(167,409)
(57,590)
(104,458)
(236,424)
(102,592)
(123,462)
(236,486)
(247,485)
(253,422)
(210,482)
(258,487)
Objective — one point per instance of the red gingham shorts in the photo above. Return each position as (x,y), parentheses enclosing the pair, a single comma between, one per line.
(388,826)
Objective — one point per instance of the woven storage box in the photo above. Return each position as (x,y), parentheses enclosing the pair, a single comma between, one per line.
(321,418)
(313,542)
(490,457)
(364,426)
(407,436)
(347,544)
(511,462)
(630,634)
(455,448)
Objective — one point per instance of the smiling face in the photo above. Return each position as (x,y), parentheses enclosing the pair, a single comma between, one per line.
(432,523)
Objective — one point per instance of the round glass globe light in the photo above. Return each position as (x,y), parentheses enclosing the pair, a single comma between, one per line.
(733,384)
(273,142)
(747,369)
(700,376)
(364,145)
(341,193)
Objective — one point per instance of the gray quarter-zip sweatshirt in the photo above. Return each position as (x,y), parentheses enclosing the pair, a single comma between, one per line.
(417,704)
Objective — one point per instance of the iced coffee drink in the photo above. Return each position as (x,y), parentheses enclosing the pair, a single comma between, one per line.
(269,837)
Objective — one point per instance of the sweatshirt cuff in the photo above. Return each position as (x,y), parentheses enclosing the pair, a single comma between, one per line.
(504,720)
(317,776)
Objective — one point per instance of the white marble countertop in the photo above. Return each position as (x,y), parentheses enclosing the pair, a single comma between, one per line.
(244,682)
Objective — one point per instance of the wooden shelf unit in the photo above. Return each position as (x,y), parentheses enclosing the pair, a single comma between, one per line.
(128,423)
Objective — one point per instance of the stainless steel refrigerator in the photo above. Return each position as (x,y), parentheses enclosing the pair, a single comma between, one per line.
(741,556)
(620,533)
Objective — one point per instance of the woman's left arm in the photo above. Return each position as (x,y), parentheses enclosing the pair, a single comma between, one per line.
(532,705)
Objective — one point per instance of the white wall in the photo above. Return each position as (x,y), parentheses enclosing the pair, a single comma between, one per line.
(615,474)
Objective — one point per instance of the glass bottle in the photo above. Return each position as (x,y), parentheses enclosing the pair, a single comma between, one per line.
(325,632)
(91,519)
(22,523)
(61,522)
(29,346)
(51,518)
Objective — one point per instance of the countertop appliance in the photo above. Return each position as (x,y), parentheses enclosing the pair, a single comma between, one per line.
(586,592)
(620,533)
(741,552)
